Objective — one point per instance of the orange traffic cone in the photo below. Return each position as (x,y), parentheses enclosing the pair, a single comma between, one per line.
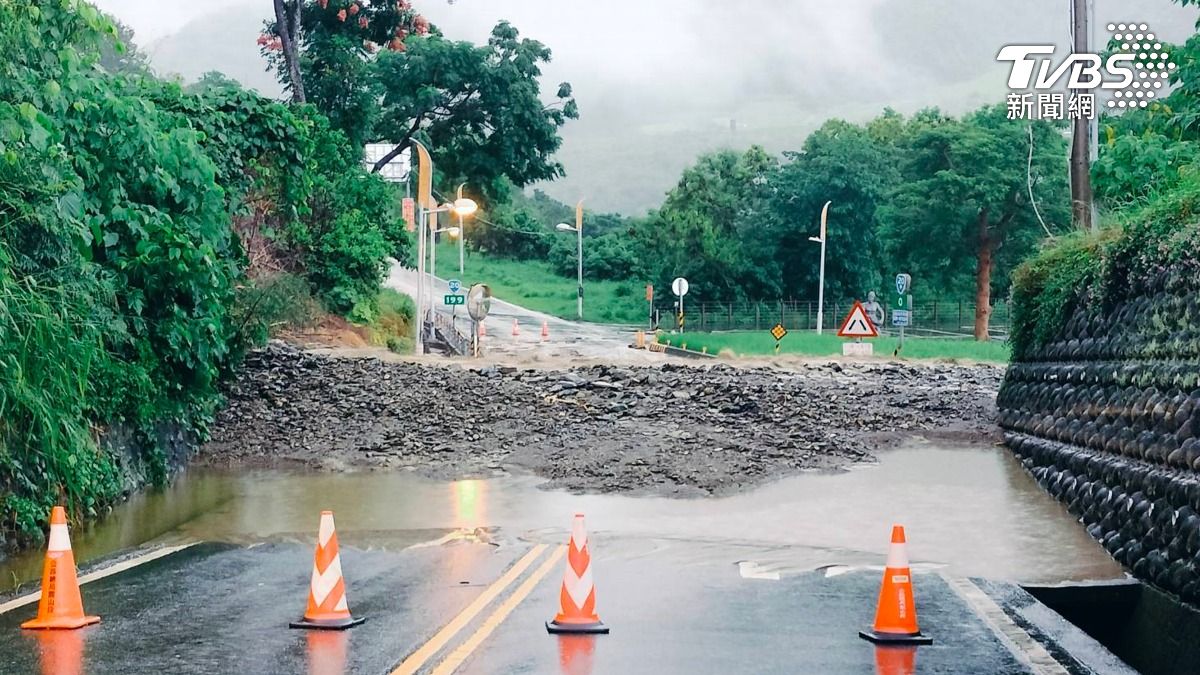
(578,596)
(61,605)
(516,328)
(896,614)
(327,591)
(545,330)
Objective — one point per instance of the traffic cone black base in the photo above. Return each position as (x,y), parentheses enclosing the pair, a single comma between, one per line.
(328,624)
(895,638)
(568,628)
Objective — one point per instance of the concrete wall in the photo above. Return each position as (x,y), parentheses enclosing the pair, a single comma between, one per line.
(1106,418)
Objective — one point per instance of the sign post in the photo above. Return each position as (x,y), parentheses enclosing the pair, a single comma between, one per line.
(680,288)
(778,332)
(650,301)
(858,325)
(902,307)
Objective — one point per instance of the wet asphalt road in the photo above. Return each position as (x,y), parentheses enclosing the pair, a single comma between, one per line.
(223,609)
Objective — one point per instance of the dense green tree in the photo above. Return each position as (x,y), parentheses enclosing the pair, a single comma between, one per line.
(965,201)
(841,163)
(478,107)
(710,229)
(321,51)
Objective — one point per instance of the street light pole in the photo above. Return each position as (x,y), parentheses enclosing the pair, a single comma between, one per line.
(462,237)
(578,230)
(821,276)
(579,233)
(420,299)
(579,290)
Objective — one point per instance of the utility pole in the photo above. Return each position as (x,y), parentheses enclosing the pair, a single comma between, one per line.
(1081,178)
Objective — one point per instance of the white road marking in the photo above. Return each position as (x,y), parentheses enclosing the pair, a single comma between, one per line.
(122,566)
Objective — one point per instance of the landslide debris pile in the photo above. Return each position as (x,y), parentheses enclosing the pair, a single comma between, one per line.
(1105,412)
(667,430)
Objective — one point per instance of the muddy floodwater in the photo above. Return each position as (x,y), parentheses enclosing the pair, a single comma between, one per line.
(968,511)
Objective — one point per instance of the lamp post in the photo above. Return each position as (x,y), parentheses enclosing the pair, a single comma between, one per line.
(462,236)
(425,293)
(821,279)
(578,230)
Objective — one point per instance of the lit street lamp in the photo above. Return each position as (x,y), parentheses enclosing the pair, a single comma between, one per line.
(578,230)
(821,281)
(462,236)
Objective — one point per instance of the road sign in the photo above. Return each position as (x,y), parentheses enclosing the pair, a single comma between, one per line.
(649,292)
(680,287)
(903,284)
(778,332)
(902,302)
(455,299)
(455,286)
(901,318)
(857,324)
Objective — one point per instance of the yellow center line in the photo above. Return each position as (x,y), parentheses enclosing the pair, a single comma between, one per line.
(459,655)
(418,658)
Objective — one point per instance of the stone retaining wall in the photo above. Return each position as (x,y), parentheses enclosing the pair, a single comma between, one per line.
(1107,419)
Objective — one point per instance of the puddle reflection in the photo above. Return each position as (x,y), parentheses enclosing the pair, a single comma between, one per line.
(60,651)
(576,654)
(895,660)
(327,652)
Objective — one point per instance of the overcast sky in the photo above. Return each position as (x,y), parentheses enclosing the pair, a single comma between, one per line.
(660,81)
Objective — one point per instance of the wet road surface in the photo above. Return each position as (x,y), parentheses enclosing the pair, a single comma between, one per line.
(775,580)
(568,339)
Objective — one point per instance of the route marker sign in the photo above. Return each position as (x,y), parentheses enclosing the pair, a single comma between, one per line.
(903,283)
(455,299)
(455,286)
(857,324)
(778,332)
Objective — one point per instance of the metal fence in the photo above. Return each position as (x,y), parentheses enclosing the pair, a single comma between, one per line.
(935,317)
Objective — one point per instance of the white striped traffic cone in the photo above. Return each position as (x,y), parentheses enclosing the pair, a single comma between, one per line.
(578,595)
(61,606)
(327,607)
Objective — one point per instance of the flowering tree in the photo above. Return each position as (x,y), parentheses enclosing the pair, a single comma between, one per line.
(320,51)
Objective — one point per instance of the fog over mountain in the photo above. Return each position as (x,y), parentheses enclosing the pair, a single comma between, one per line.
(660,82)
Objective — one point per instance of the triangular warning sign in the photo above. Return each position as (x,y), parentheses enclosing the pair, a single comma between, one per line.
(857,324)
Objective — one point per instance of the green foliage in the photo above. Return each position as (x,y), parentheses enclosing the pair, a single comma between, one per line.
(479,109)
(124,205)
(336,41)
(709,228)
(273,302)
(1130,167)
(956,172)
(843,164)
(1151,240)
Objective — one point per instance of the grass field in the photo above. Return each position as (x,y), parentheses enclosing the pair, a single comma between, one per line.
(753,343)
(534,285)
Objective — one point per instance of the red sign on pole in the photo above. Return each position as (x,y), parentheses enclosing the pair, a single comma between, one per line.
(410,214)
(649,292)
